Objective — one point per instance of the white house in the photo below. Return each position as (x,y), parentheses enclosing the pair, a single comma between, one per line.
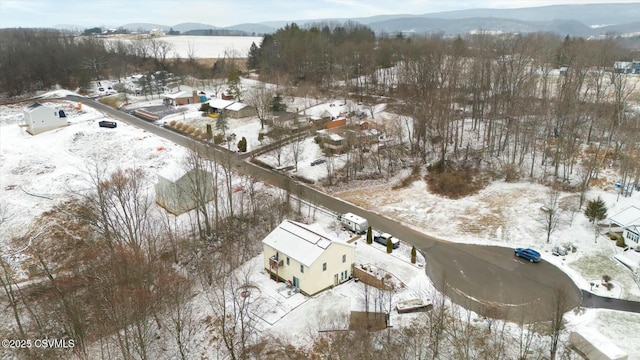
(39,118)
(232,108)
(628,220)
(181,95)
(306,257)
(179,191)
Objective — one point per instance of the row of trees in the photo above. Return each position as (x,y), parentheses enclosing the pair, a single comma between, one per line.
(37,59)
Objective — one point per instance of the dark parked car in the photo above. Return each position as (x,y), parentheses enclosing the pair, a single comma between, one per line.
(108,124)
(318,162)
(528,254)
(382,240)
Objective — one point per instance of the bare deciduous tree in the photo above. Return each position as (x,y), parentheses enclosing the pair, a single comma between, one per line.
(552,213)
(260,97)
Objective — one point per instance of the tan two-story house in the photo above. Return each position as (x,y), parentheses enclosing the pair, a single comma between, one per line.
(306,257)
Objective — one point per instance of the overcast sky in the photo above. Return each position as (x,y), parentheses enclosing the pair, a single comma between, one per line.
(113,13)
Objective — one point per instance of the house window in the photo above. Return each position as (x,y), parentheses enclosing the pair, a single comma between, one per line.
(324,266)
(344,258)
(301,268)
(287,260)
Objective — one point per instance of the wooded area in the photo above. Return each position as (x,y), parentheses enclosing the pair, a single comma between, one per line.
(521,106)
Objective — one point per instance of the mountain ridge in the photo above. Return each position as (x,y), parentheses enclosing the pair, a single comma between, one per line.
(574,20)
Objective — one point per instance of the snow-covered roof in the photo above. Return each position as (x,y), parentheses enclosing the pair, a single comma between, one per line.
(236,106)
(179,94)
(335,137)
(627,217)
(33,107)
(172,172)
(300,242)
(220,103)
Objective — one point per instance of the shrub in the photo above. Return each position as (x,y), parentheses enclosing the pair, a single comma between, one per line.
(204,107)
(606,278)
(608,285)
(413,255)
(242,145)
(218,139)
(511,172)
(620,242)
(456,183)
(404,182)
(260,137)
(172,123)
(179,126)
(209,132)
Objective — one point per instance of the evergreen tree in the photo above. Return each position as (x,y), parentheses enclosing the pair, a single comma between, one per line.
(413,255)
(389,245)
(596,210)
(209,132)
(233,78)
(252,57)
(221,123)
(369,236)
(242,145)
(204,107)
(277,104)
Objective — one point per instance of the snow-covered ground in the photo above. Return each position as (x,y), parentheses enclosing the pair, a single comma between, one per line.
(208,47)
(38,171)
(205,47)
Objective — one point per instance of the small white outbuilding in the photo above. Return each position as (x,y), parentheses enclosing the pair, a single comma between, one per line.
(179,191)
(39,118)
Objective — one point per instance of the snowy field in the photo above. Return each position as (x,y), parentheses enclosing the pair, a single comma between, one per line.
(208,47)
(39,171)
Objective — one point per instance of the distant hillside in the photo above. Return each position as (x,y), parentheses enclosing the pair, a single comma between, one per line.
(144,27)
(185,27)
(589,14)
(421,25)
(253,29)
(575,20)
(216,32)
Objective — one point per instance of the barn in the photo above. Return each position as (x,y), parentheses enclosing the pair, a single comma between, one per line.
(231,108)
(240,110)
(39,118)
(179,191)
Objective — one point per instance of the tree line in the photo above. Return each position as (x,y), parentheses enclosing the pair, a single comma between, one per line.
(38,59)
(524,105)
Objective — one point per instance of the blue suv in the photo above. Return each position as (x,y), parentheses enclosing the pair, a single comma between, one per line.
(528,254)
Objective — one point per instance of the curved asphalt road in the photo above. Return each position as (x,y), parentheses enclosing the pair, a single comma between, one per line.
(487,279)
